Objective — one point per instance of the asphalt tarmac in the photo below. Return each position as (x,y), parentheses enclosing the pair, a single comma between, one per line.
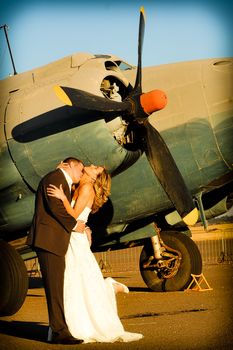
(177,320)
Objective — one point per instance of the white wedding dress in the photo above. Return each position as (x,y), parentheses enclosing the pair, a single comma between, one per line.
(89,300)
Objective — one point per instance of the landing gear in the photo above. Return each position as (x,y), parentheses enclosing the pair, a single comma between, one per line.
(13,280)
(179,259)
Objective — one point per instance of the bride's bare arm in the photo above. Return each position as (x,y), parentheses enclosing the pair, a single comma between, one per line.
(85,193)
(58,193)
(85,198)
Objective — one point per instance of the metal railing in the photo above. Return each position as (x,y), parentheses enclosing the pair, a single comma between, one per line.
(216,246)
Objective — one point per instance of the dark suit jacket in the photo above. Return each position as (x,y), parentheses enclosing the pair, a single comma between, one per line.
(52,225)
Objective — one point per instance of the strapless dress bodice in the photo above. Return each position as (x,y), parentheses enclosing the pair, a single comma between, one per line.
(84,214)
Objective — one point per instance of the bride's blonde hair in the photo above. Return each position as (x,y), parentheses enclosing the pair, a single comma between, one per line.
(101,187)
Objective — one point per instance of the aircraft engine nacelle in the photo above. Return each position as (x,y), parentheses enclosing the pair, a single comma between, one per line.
(38,131)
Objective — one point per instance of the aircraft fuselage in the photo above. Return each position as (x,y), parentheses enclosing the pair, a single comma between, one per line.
(37,132)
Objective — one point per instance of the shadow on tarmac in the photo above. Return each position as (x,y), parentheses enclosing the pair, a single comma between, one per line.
(21,329)
(139,289)
(35,282)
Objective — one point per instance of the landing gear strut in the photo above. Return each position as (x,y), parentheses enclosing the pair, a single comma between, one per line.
(167,263)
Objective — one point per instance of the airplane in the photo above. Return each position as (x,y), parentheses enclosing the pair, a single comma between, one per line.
(169,152)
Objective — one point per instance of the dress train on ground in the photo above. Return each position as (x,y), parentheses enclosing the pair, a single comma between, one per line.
(89,299)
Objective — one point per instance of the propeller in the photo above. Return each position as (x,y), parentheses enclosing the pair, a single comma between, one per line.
(138,106)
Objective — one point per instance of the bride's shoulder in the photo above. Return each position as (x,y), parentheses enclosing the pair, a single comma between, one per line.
(86,189)
(85,186)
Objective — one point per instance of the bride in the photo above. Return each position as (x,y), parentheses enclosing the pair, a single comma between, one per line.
(89,299)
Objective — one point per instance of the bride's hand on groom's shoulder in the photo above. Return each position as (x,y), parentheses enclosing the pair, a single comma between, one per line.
(54,191)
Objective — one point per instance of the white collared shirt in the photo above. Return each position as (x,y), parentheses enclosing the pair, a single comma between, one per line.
(68,178)
(70,182)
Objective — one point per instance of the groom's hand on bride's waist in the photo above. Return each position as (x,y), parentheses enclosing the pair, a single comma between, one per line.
(88,233)
(80,226)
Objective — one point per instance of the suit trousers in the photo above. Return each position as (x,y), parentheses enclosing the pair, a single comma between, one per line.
(52,269)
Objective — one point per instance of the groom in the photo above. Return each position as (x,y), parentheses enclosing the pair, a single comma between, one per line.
(49,236)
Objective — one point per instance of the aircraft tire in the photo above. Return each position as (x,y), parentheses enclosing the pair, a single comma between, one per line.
(13,280)
(191,263)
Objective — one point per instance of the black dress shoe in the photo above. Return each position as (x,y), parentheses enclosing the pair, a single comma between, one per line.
(66,340)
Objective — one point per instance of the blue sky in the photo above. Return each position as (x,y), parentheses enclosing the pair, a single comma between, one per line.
(42,31)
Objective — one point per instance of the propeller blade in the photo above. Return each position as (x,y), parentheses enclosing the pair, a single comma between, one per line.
(169,175)
(91,102)
(136,106)
(138,82)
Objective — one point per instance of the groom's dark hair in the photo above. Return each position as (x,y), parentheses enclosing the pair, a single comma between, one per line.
(72,159)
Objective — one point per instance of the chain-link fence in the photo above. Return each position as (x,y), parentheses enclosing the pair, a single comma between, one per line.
(216,246)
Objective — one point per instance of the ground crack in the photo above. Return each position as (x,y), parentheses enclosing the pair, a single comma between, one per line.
(157,314)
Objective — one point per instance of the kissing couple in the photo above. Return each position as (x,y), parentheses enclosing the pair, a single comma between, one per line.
(81,303)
